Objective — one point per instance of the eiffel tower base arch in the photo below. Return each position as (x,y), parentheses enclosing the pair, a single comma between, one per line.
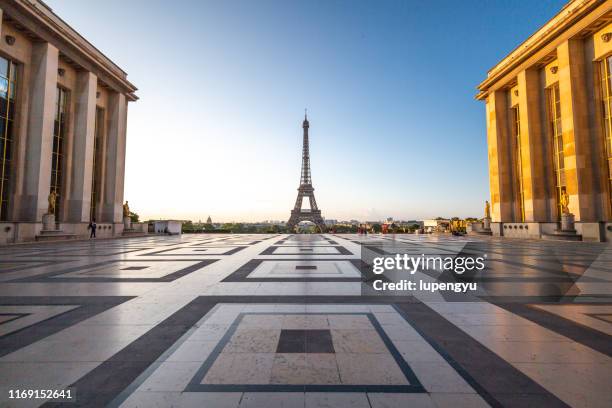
(312,216)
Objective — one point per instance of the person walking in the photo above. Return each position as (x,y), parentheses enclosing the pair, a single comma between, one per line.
(92,227)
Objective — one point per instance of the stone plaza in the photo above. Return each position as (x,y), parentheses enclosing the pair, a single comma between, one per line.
(237,320)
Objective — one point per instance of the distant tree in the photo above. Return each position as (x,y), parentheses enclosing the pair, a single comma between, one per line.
(134,217)
(208,227)
(344,229)
(272,229)
(187,227)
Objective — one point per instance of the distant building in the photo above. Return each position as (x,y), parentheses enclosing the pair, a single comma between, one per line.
(172,227)
(331,222)
(437,225)
(410,223)
(209,220)
(275,222)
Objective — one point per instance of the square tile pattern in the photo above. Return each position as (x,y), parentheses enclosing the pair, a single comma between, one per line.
(298,270)
(271,320)
(281,352)
(305,269)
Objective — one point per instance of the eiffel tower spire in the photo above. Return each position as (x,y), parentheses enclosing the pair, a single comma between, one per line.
(305,177)
(305,190)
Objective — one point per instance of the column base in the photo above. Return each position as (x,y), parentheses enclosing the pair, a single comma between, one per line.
(567,230)
(127,223)
(48,221)
(567,223)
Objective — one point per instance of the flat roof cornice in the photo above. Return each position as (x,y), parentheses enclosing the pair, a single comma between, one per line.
(557,27)
(39,19)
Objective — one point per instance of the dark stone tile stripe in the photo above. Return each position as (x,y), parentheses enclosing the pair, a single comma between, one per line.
(604,317)
(88,306)
(288,240)
(205,244)
(269,250)
(164,252)
(21,265)
(341,250)
(496,381)
(14,316)
(102,384)
(579,333)
(87,251)
(49,277)
(234,250)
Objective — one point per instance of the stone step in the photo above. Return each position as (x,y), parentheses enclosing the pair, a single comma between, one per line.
(562,236)
(133,233)
(482,232)
(54,235)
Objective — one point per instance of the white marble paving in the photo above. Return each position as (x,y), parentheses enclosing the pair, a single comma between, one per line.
(546,357)
(538,353)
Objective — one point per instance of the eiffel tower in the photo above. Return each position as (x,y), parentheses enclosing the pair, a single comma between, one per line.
(306,190)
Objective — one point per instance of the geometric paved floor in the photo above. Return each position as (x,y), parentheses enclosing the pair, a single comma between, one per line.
(227,320)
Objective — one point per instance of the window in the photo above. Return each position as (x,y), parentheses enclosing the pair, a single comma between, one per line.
(8,78)
(516,119)
(606,87)
(96,177)
(57,157)
(557,144)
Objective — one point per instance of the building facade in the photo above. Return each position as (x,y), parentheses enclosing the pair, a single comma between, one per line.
(549,126)
(436,225)
(63,114)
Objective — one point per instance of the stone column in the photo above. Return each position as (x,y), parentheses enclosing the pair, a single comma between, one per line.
(112,210)
(101,162)
(499,153)
(43,89)
(79,200)
(575,127)
(532,146)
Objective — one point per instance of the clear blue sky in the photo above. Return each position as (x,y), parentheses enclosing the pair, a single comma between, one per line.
(389,86)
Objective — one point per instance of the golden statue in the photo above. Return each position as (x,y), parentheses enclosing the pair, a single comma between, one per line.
(52,199)
(564,202)
(487,209)
(126,209)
